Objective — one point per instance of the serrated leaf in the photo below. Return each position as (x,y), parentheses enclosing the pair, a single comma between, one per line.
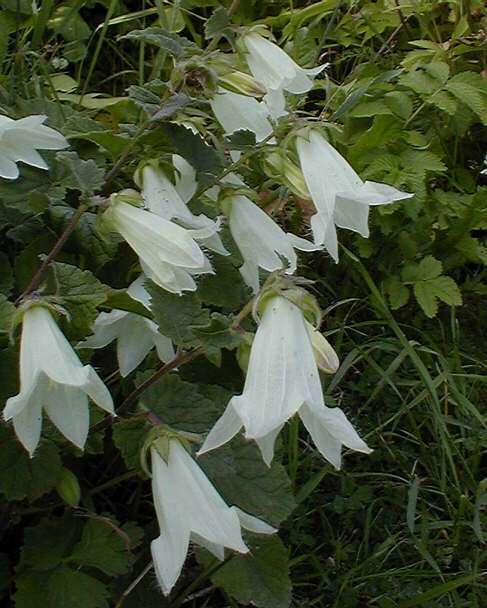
(69,588)
(242,478)
(128,436)
(212,289)
(113,143)
(205,160)
(168,41)
(181,405)
(445,101)
(260,577)
(370,108)
(177,315)
(470,89)
(218,24)
(429,268)
(171,106)
(24,477)
(104,545)
(79,292)
(240,140)
(82,175)
(421,161)
(7,311)
(397,292)
(216,335)
(426,298)
(447,290)
(47,543)
(100,250)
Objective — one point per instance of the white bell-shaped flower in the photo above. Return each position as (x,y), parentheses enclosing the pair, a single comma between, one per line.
(189,508)
(20,139)
(341,198)
(166,200)
(282,380)
(273,68)
(168,253)
(52,378)
(136,335)
(237,112)
(262,242)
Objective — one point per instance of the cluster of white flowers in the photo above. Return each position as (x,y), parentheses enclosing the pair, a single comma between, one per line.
(173,246)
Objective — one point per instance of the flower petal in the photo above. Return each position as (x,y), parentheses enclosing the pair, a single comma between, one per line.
(236,112)
(169,554)
(226,427)
(28,424)
(67,408)
(253,524)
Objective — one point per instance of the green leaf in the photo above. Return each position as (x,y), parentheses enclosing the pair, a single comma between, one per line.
(400,103)
(79,292)
(100,250)
(428,292)
(397,292)
(129,435)
(113,143)
(7,312)
(205,160)
(216,335)
(6,276)
(177,315)
(260,577)
(169,42)
(69,588)
(429,268)
(181,404)
(213,289)
(445,101)
(240,140)
(31,587)
(242,478)
(471,89)
(47,543)
(106,546)
(24,477)
(82,175)
(218,24)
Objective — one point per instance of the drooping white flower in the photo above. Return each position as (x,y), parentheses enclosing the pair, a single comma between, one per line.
(136,335)
(282,380)
(272,67)
(166,200)
(341,198)
(262,242)
(20,139)
(52,378)
(189,508)
(168,253)
(237,112)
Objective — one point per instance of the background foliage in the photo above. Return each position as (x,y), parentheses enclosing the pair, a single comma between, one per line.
(405,97)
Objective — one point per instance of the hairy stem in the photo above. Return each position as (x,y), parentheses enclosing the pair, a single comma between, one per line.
(180,359)
(36,279)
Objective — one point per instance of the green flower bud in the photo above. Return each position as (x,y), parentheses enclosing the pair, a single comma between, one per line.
(278,166)
(68,488)
(239,82)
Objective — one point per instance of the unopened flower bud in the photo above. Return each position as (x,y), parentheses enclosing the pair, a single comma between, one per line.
(325,355)
(239,82)
(68,488)
(278,165)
